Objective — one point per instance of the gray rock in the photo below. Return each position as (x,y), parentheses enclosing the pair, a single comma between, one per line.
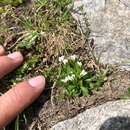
(110,27)
(110,116)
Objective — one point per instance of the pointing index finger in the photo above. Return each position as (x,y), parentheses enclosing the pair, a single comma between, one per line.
(18,98)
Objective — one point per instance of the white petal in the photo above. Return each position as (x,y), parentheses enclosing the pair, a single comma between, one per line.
(79,63)
(83,73)
(73,57)
(61,58)
(65,61)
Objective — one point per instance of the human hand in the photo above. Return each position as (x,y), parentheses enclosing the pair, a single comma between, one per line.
(20,96)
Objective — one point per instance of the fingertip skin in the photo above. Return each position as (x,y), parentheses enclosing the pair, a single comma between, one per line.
(17,99)
(8,64)
(37,81)
(16,57)
(2,50)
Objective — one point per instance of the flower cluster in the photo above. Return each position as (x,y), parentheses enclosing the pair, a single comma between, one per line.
(65,61)
(62,59)
(68,78)
(72,75)
(75,79)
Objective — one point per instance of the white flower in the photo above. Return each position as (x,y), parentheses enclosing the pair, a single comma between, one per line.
(68,78)
(42,33)
(83,73)
(79,63)
(65,61)
(73,57)
(64,80)
(71,77)
(61,58)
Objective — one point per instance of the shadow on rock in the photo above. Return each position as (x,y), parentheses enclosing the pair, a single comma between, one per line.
(116,123)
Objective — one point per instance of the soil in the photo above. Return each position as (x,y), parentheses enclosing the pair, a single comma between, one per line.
(49,114)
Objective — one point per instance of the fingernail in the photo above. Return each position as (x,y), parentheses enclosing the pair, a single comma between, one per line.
(38,81)
(1,49)
(16,56)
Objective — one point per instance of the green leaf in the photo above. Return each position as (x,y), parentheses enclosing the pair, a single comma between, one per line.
(125,97)
(84,91)
(129,91)
(27,40)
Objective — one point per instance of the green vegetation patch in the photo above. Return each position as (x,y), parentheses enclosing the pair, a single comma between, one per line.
(76,80)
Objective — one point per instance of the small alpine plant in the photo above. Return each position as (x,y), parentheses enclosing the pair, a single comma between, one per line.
(75,79)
